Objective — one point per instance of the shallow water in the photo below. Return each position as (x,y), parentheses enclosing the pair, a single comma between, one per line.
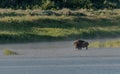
(56,49)
(58,58)
(71,65)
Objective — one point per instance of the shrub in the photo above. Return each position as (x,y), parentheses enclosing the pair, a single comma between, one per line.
(65,12)
(48,5)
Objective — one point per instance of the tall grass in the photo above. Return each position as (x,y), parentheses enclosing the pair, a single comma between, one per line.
(8,52)
(105,44)
(40,25)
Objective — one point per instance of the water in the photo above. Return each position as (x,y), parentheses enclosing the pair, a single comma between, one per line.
(58,58)
(71,65)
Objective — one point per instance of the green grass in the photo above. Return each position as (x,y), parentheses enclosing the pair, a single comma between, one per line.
(35,25)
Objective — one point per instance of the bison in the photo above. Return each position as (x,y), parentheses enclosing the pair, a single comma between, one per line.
(79,44)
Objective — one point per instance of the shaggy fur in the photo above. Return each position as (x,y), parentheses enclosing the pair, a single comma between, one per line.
(79,44)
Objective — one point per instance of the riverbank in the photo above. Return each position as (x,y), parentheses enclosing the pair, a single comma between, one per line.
(39,25)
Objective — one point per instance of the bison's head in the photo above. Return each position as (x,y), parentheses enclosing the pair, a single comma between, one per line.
(77,45)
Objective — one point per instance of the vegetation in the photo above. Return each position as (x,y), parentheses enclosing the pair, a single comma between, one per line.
(50,25)
(58,4)
(9,52)
(105,44)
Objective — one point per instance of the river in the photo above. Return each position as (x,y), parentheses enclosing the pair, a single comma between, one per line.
(58,58)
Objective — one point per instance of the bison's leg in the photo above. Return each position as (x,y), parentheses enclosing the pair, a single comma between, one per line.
(79,48)
(86,47)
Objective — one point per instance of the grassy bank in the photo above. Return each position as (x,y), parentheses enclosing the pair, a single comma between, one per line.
(105,44)
(39,25)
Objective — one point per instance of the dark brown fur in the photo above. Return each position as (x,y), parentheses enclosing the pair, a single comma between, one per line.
(79,44)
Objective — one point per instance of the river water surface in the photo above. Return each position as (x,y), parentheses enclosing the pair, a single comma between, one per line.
(58,58)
